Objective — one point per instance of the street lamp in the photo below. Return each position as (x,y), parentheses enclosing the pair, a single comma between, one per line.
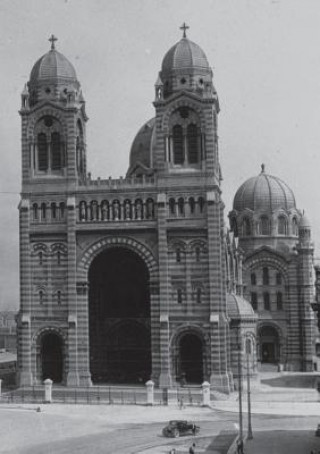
(248,352)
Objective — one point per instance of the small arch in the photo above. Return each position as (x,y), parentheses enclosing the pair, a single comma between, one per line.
(51,354)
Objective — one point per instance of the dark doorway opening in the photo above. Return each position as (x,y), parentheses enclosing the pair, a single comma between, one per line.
(191,358)
(52,358)
(269,342)
(119,318)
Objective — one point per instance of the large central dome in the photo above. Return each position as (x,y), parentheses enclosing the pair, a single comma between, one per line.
(264,193)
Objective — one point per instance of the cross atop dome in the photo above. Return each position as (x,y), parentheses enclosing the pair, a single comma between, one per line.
(184,27)
(52,39)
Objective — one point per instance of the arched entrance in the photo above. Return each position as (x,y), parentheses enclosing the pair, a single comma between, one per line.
(119,317)
(191,358)
(51,357)
(269,345)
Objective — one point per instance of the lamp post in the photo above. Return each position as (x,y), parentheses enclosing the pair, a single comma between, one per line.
(240,448)
(248,352)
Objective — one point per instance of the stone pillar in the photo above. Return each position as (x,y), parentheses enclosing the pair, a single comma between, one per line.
(205,394)
(83,334)
(165,376)
(24,321)
(72,376)
(47,391)
(150,392)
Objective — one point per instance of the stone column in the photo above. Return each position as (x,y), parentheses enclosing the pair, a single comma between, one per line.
(205,394)
(83,334)
(24,321)
(150,393)
(47,391)
(165,376)
(72,376)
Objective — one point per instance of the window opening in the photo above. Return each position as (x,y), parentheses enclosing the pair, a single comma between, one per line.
(192,141)
(179,296)
(254,301)
(177,137)
(42,152)
(266,301)
(253,279)
(279,301)
(265,276)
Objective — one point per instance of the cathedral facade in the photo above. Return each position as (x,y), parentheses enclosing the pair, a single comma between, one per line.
(123,280)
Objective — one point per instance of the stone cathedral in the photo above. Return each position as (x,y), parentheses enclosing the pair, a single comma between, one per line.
(123,280)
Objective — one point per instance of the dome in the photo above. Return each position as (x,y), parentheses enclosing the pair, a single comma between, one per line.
(239,307)
(141,148)
(54,66)
(264,193)
(184,55)
(304,223)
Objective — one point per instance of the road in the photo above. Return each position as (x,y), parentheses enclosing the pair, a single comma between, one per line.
(75,429)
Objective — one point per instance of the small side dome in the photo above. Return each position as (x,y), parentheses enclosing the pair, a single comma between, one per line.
(53,66)
(141,149)
(185,54)
(238,307)
(264,193)
(304,223)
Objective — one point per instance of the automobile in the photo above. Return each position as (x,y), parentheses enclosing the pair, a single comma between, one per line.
(318,431)
(176,428)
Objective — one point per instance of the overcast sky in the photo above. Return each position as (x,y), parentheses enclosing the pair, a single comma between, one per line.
(265,56)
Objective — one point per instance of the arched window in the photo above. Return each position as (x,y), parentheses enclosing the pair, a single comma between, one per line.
(254,301)
(192,205)
(172,207)
(201,204)
(43,161)
(59,257)
(41,297)
(199,295)
(35,212)
(264,225)
(192,143)
(53,210)
(178,254)
(253,278)
(266,301)
(181,206)
(265,276)
(177,138)
(40,258)
(56,151)
(179,295)
(43,211)
(197,254)
(295,227)
(62,209)
(279,301)
(282,225)
(246,227)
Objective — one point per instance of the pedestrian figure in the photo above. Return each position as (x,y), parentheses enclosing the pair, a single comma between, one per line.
(181,403)
(192,449)
(240,447)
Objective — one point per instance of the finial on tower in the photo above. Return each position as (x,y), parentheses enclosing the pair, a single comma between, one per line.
(52,39)
(184,27)
(263,168)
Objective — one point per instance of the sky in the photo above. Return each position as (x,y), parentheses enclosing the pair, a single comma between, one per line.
(265,56)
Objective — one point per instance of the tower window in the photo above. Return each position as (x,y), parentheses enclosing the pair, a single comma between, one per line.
(282,225)
(177,136)
(43,211)
(42,152)
(201,204)
(62,210)
(253,278)
(279,301)
(172,206)
(59,257)
(40,258)
(264,225)
(35,212)
(56,151)
(53,211)
(254,301)
(199,295)
(191,205)
(41,297)
(179,296)
(266,301)
(197,254)
(192,141)
(181,206)
(59,297)
(265,276)
(246,227)
(178,254)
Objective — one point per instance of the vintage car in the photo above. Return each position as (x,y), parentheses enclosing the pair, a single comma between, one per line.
(318,431)
(177,427)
